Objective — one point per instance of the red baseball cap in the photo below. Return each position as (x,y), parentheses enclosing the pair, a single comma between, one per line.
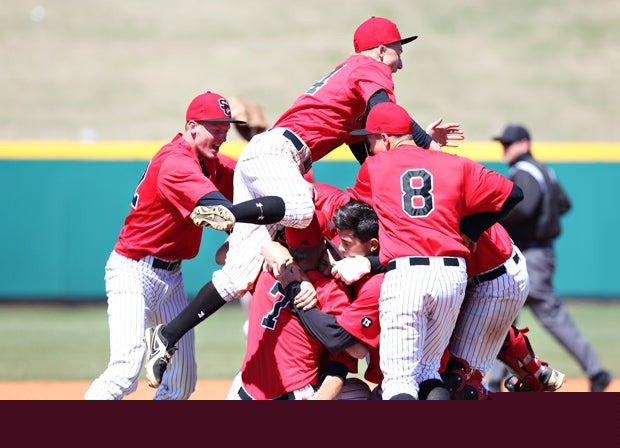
(387,118)
(210,106)
(377,31)
(310,236)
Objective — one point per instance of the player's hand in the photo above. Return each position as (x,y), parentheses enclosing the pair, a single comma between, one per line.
(447,134)
(349,270)
(290,272)
(277,257)
(307,297)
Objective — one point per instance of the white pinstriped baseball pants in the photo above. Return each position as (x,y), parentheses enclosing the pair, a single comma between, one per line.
(487,312)
(140,296)
(270,165)
(418,308)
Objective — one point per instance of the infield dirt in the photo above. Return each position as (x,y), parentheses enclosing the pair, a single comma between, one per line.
(205,390)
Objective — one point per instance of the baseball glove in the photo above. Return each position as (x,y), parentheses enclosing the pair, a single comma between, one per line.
(217,217)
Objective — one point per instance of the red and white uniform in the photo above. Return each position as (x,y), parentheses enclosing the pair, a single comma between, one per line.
(420,197)
(497,287)
(274,162)
(281,357)
(144,283)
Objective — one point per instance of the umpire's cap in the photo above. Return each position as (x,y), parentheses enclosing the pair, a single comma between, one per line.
(513,133)
(210,106)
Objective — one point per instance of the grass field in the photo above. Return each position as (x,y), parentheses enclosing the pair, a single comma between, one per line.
(69,342)
(120,70)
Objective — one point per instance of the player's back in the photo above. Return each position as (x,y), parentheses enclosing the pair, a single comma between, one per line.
(329,110)
(420,197)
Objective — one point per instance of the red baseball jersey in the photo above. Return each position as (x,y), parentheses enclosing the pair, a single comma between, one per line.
(158,223)
(493,248)
(420,197)
(335,105)
(280,355)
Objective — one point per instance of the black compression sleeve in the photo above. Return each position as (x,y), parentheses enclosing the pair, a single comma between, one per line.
(263,210)
(325,328)
(421,138)
(380,96)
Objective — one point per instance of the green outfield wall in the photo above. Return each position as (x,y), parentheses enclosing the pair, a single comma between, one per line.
(64,204)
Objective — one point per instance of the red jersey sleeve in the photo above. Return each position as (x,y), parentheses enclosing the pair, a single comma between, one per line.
(361,318)
(362,190)
(483,186)
(328,198)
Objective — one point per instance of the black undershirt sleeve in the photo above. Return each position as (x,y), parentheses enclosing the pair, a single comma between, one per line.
(474,225)
(335,368)
(359,150)
(321,325)
(375,265)
(421,138)
(212,199)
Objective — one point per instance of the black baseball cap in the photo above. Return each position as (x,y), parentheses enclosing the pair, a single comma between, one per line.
(513,133)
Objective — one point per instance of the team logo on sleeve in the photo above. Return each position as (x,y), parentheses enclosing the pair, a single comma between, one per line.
(366,322)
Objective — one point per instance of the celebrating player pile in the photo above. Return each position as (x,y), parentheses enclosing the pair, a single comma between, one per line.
(431,209)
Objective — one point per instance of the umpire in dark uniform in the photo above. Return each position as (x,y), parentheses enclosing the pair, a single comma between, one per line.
(533,225)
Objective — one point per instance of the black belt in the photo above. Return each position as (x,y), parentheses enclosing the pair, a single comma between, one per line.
(167,265)
(294,140)
(298,144)
(245,396)
(424,261)
(492,275)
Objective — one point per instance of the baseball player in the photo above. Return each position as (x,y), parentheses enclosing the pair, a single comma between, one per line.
(420,197)
(275,161)
(281,360)
(143,276)
(498,284)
